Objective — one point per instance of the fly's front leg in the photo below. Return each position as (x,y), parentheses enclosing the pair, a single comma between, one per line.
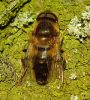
(25,67)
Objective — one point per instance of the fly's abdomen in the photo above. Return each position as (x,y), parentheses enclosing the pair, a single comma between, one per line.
(42,66)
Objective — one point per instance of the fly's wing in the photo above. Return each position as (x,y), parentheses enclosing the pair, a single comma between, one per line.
(58,60)
(26,61)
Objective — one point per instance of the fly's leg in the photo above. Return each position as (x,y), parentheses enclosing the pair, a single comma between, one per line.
(26,66)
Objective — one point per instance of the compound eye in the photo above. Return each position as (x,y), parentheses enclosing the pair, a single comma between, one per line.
(47,15)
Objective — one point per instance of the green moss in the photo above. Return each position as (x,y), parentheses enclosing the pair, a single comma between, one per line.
(10,12)
(3,95)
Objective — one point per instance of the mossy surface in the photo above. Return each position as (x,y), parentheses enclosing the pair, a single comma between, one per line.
(14,36)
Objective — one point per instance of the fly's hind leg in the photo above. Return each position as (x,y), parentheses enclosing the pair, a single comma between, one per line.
(25,65)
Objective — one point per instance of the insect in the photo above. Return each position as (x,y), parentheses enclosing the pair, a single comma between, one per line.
(44,48)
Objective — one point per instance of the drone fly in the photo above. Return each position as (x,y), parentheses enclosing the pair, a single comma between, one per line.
(44,48)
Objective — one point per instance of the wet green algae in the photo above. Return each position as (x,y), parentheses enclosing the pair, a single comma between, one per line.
(13,41)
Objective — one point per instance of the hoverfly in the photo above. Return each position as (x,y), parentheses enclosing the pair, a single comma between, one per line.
(44,48)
